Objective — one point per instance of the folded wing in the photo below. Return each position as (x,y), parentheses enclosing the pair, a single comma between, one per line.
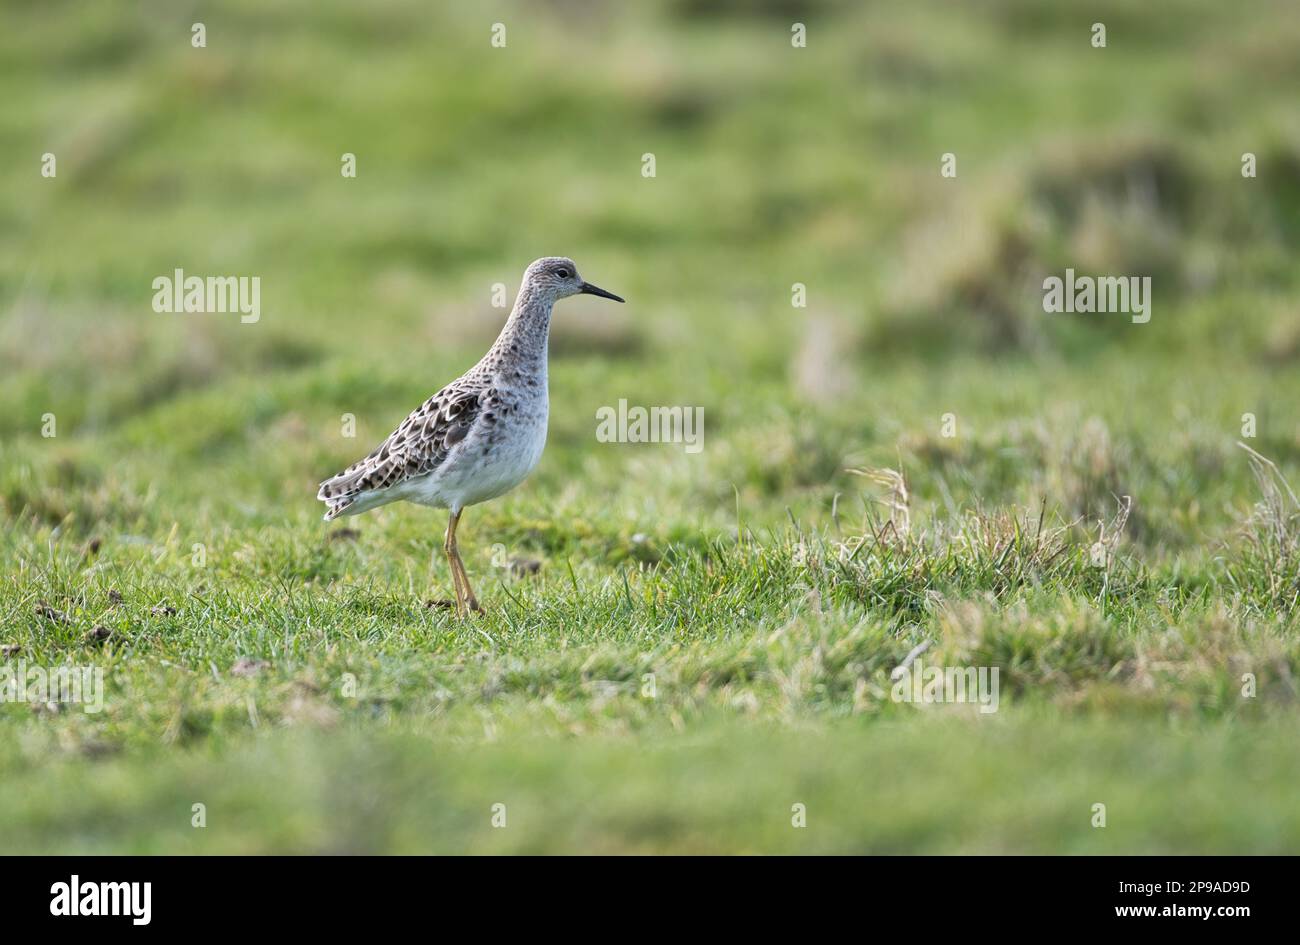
(416,448)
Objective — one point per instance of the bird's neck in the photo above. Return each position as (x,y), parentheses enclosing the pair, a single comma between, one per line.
(523,339)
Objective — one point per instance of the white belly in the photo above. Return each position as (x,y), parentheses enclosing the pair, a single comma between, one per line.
(489,462)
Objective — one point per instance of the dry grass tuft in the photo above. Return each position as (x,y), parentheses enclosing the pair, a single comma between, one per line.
(1265,567)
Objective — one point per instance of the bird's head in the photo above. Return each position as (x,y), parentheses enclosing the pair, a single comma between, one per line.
(557,276)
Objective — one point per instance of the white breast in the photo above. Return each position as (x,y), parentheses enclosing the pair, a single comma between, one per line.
(489,462)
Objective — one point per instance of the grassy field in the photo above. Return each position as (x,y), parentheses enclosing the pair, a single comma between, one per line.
(679,649)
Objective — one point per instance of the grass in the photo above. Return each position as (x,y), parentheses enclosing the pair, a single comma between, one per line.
(678,647)
(880,787)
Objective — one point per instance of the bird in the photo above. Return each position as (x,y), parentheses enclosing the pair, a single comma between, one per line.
(478,437)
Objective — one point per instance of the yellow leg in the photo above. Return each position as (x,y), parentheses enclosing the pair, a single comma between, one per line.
(465,600)
(471,602)
(449,548)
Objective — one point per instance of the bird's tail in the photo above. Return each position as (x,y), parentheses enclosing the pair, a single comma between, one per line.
(337,509)
(338,494)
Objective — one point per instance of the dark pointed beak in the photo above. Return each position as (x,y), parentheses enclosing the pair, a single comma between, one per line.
(589,289)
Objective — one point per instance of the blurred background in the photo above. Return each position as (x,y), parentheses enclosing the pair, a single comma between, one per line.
(774,165)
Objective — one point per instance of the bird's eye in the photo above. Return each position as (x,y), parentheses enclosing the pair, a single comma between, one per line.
(563,273)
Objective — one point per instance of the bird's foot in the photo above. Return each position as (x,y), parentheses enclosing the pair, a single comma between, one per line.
(442,603)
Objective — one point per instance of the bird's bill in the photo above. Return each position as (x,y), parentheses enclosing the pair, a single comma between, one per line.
(589,289)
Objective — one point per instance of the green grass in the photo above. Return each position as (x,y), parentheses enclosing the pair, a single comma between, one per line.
(919,785)
(705,639)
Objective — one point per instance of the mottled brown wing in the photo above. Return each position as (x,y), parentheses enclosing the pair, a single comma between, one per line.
(415,448)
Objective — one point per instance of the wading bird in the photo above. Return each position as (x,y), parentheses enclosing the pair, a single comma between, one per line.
(479,436)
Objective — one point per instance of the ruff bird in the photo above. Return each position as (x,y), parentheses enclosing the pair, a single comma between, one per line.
(478,437)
